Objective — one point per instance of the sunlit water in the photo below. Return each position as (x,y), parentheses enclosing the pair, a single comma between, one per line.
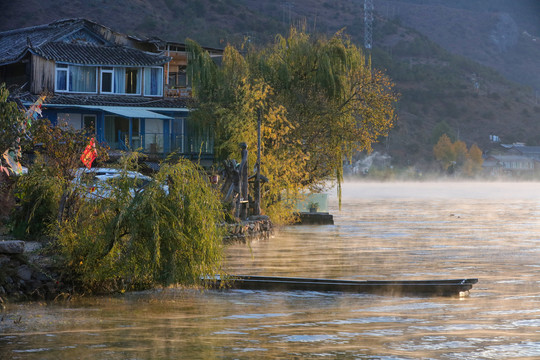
(384,231)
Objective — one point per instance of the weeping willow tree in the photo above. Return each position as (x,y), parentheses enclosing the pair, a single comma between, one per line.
(229,100)
(134,238)
(320,102)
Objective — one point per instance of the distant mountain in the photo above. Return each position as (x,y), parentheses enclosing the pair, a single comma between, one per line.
(502,34)
(470,66)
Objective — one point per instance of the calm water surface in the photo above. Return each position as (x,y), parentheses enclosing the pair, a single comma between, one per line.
(385,231)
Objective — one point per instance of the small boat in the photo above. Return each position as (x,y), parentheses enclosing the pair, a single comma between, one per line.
(394,287)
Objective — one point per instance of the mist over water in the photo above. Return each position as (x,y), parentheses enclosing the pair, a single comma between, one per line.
(489,231)
(440,190)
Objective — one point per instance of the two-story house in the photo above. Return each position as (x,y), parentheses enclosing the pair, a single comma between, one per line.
(131,93)
(513,159)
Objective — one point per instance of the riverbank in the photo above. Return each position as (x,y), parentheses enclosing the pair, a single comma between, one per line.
(27,274)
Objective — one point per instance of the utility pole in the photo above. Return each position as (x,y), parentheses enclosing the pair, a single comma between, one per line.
(368,24)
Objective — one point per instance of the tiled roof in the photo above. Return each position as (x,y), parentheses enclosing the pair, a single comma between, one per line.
(98,55)
(108,100)
(528,150)
(15,43)
(511,158)
(52,41)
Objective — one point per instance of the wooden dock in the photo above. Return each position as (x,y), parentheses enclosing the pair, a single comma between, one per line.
(315,218)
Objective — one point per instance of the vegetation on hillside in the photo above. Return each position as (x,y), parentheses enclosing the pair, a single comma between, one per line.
(437,87)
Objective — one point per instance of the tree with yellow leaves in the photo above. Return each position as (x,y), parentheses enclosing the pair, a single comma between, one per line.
(318,98)
(474,161)
(456,155)
(444,152)
(460,148)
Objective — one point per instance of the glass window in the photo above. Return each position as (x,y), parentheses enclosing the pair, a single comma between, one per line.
(132,81)
(89,123)
(178,135)
(182,77)
(75,78)
(153,81)
(117,132)
(82,79)
(178,78)
(61,77)
(119,80)
(72,120)
(172,79)
(107,80)
(109,131)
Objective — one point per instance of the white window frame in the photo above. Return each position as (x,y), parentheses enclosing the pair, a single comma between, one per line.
(65,69)
(100,71)
(106,70)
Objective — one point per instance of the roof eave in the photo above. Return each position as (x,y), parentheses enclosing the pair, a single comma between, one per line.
(4,62)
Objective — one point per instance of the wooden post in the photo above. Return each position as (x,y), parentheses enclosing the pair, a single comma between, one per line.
(257,210)
(244,190)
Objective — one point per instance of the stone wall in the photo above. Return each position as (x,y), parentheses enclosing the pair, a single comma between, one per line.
(22,279)
(254,228)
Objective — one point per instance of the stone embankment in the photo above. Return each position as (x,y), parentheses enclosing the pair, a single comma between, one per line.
(254,228)
(22,275)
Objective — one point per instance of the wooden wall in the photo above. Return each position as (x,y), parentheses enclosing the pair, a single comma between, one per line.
(42,77)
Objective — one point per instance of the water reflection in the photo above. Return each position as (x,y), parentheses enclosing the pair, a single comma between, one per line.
(385,231)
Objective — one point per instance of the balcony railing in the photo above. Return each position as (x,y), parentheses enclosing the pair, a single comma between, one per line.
(157,143)
(177,91)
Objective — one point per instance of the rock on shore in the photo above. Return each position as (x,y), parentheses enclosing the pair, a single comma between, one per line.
(20,279)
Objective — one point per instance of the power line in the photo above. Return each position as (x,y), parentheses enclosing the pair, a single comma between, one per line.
(288,5)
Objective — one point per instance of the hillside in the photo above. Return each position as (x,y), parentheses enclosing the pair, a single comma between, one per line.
(431,48)
(504,35)
(442,90)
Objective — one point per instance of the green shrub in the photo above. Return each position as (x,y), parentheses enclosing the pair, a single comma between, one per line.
(167,233)
(40,191)
(38,194)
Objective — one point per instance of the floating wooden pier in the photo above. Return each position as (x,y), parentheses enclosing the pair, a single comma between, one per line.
(315,218)
(452,287)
